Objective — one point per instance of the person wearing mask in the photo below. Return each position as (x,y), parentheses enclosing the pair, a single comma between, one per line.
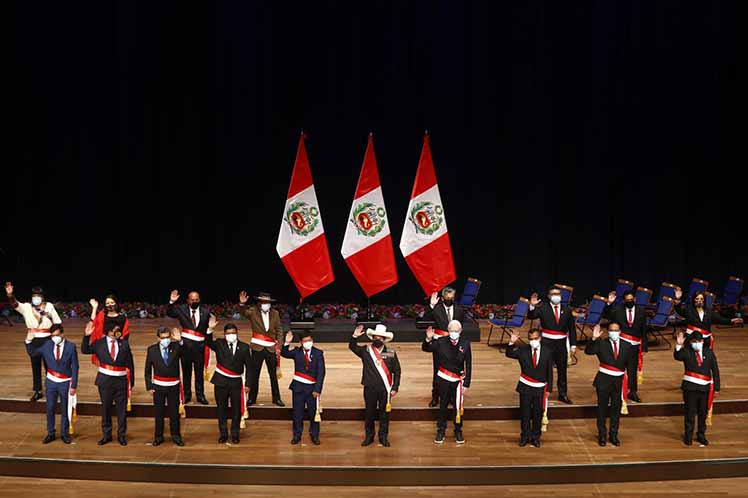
(107,318)
(61,359)
(306,386)
(380,378)
(699,318)
(162,380)
(454,373)
(39,316)
(633,322)
(535,382)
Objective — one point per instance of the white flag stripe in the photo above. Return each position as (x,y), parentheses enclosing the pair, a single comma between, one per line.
(412,240)
(354,241)
(288,240)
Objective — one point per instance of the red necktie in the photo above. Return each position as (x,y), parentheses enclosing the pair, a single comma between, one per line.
(698,358)
(113,350)
(194,323)
(306,360)
(555,312)
(57,353)
(615,350)
(534,358)
(631,319)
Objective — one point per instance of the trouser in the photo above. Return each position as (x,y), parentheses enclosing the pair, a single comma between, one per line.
(447,392)
(114,391)
(695,406)
(55,389)
(435,362)
(560,359)
(38,365)
(531,413)
(609,402)
(193,359)
(231,393)
(304,405)
(375,400)
(269,358)
(632,369)
(168,396)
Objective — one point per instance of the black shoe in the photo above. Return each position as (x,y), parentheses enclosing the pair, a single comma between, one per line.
(66,439)
(222,439)
(434,401)
(202,400)
(439,439)
(37,396)
(278,402)
(157,441)
(48,439)
(634,397)
(315,440)
(177,440)
(367,441)
(122,441)
(535,442)
(523,442)
(187,398)
(702,440)
(384,442)
(104,440)
(565,399)
(601,439)
(687,441)
(296,440)
(234,439)
(614,440)
(459,439)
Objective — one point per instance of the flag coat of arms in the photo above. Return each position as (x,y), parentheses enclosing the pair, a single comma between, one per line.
(367,245)
(302,245)
(425,239)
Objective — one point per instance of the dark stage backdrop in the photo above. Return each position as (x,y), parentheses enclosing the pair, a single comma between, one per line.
(151,143)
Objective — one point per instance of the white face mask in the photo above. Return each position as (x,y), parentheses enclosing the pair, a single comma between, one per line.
(231,338)
(613,334)
(454,335)
(56,339)
(697,346)
(165,342)
(555,299)
(36,300)
(534,343)
(307,345)
(265,307)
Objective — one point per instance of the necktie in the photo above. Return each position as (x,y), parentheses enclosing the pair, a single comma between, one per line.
(113,350)
(449,314)
(194,323)
(555,312)
(631,318)
(698,357)
(306,360)
(534,358)
(615,350)
(454,343)
(57,352)
(165,354)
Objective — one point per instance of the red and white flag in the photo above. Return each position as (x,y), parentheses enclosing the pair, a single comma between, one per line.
(425,240)
(302,245)
(367,245)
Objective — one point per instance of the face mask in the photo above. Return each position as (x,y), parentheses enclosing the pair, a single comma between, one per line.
(378,343)
(555,299)
(697,346)
(36,300)
(534,343)
(454,335)
(111,307)
(195,305)
(630,304)
(57,339)
(613,334)
(265,307)
(165,342)
(231,338)
(448,302)
(307,345)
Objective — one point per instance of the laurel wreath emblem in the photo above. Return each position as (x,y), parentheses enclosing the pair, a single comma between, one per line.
(309,213)
(374,230)
(436,221)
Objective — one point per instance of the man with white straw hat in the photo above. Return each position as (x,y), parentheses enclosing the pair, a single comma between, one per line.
(381,379)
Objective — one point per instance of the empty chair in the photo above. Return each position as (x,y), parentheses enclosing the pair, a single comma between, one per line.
(733,289)
(470,292)
(622,285)
(697,285)
(593,315)
(709,299)
(666,290)
(659,321)
(508,325)
(643,296)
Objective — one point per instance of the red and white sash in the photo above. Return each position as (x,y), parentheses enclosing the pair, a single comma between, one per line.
(702,380)
(304,378)
(529,381)
(193,335)
(40,333)
(610,370)
(554,334)
(440,333)
(263,340)
(634,341)
(112,370)
(57,376)
(617,372)
(383,371)
(169,382)
(459,395)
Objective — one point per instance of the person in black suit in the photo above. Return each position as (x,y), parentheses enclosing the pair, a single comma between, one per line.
(193,317)
(441,312)
(699,318)
(163,382)
(380,385)
(613,356)
(700,384)
(535,382)
(115,379)
(232,361)
(633,322)
(454,373)
(559,333)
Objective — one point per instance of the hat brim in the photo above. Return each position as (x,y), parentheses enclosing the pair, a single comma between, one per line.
(386,336)
(265,298)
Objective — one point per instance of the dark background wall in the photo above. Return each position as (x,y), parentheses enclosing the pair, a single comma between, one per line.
(151,143)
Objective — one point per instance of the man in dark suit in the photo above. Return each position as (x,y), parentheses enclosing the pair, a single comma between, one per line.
(441,312)
(193,317)
(633,322)
(559,333)
(613,356)
(116,378)
(700,384)
(380,378)
(306,386)
(454,373)
(163,382)
(232,361)
(699,318)
(61,360)
(265,327)
(535,382)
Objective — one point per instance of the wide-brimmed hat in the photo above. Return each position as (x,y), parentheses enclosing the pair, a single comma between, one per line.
(381,331)
(695,336)
(264,296)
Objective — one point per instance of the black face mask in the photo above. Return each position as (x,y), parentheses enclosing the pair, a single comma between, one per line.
(378,344)
(112,307)
(629,304)
(195,305)
(448,302)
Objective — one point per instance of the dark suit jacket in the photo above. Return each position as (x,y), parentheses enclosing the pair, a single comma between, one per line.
(316,368)
(370,376)
(543,372)
(239,362)
(619,313)
(604,351)
(154,363)
(124,359)
(68,364)
(439,315)
(708,367)
(544,312)
(457,359)
(254,315)
(182,313)
(710,316)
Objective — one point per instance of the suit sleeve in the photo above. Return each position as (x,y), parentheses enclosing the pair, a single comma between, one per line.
(533,313)
(644,331)
(396,373)
(53,314)
(353,346)
(680,354)
(74,368)
(429,346)
(428,315)
(550,376)
(681,309)
(148,373)
(572,328)
(171,310)
(131,366)
(248,371)
(320,373)
(277,327)
(591,348)
(286,352)
(718,318)
(513,352)
(86,347)
(468,366)
(609,312)
(715,372)
(209,341)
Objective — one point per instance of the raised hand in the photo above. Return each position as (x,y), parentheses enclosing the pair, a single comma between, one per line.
(289,337)
(429,333)
(89,329)
(176,334)
(243,297)
(94,303)
(678,293)
(434,299)
(680,339)
(9,288)
(612,297)
(534,300)
(596,331)
(359,331)
(174,297)
(212,321)
(513,338)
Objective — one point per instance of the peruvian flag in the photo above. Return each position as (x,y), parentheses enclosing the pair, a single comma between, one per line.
(425,240)
(367,245)
(302,245)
